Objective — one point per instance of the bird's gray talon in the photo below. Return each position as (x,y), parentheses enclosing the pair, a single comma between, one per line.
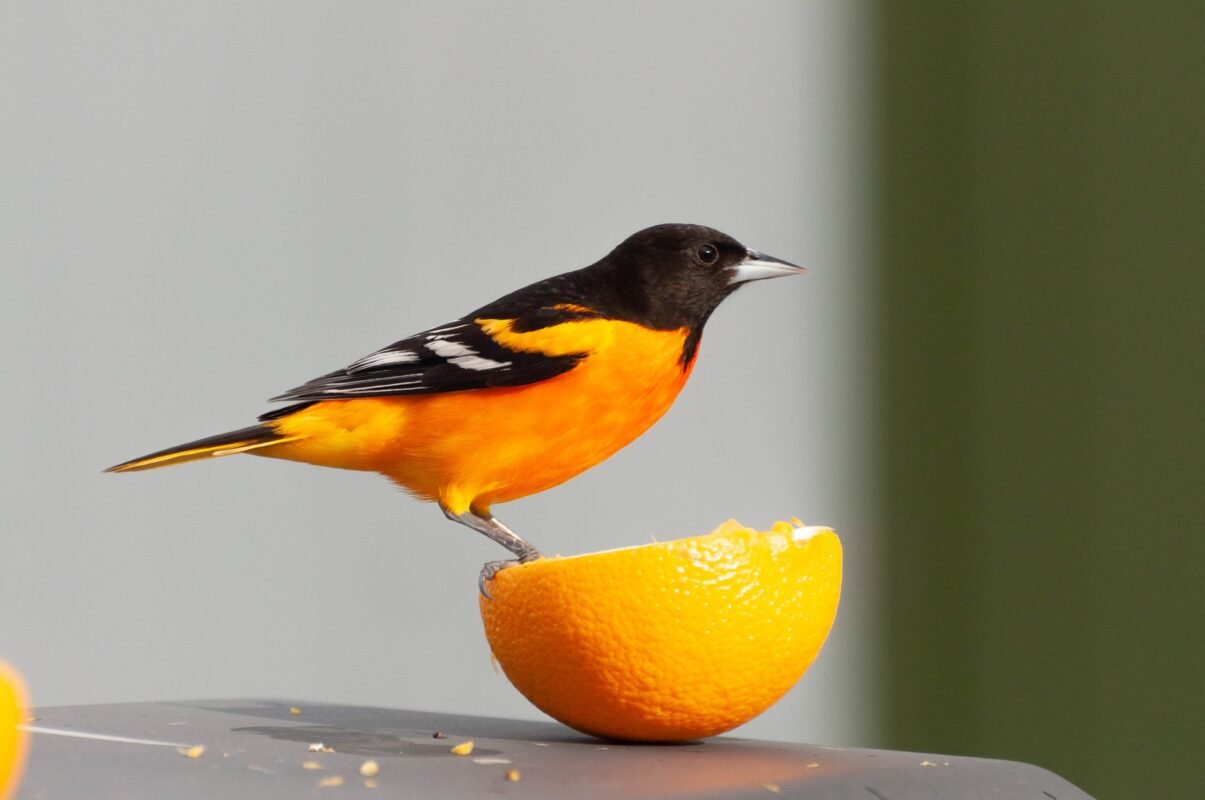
(492,568)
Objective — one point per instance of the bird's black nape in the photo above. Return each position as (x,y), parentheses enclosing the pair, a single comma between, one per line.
(664,277)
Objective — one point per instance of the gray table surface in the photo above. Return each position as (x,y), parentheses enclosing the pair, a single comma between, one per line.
(257,748)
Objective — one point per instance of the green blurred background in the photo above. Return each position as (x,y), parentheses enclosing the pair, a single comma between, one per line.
(1040,300)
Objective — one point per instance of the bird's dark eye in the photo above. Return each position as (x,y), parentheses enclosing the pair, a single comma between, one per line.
(707,253)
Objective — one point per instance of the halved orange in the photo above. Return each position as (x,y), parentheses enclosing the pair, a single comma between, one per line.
(668,641)
(13,707)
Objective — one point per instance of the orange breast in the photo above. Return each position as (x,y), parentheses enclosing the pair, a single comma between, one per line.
(478,447)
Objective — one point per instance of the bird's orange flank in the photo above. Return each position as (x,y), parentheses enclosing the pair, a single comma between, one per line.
(494,445)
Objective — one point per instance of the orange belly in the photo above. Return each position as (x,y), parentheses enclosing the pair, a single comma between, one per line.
(473,448)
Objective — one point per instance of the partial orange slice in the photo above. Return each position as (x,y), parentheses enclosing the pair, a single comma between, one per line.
(13,709)
(668,641)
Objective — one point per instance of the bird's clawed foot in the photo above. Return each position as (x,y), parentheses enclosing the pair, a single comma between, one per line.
(482,521)
(492,568)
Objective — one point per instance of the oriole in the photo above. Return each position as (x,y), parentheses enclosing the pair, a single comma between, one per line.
(520,395)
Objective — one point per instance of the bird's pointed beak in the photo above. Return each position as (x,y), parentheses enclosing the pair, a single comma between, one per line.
(759,266)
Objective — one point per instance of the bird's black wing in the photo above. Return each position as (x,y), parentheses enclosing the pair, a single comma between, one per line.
(450,358)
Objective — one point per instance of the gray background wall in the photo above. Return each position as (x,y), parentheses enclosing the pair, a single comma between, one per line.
(203,204)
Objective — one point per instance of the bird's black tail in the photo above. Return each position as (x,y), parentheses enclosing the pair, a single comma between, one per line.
(224,444)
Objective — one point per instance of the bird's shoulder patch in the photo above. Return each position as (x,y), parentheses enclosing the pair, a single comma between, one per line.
(555,331)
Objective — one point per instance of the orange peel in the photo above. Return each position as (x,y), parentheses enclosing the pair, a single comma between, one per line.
(668,641)
(14,706)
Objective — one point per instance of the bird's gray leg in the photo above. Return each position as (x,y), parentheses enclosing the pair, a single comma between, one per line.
(488,525)
(496,531)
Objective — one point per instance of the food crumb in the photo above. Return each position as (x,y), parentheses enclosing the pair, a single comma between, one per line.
(464,748)
(330,781)
(319,747)
(370,783)
(311,764)
(196,751)
(513,775)
(927,763)
(772,787)
(369,768)
(439,735)
(294,710)
(813,765)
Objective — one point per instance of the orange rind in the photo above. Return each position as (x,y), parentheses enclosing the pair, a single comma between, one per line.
(14,708)
(670,641)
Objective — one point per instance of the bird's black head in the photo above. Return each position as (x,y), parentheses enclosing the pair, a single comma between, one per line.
(674,276)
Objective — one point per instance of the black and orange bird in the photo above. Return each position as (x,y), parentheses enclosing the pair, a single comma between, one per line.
(520,395)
